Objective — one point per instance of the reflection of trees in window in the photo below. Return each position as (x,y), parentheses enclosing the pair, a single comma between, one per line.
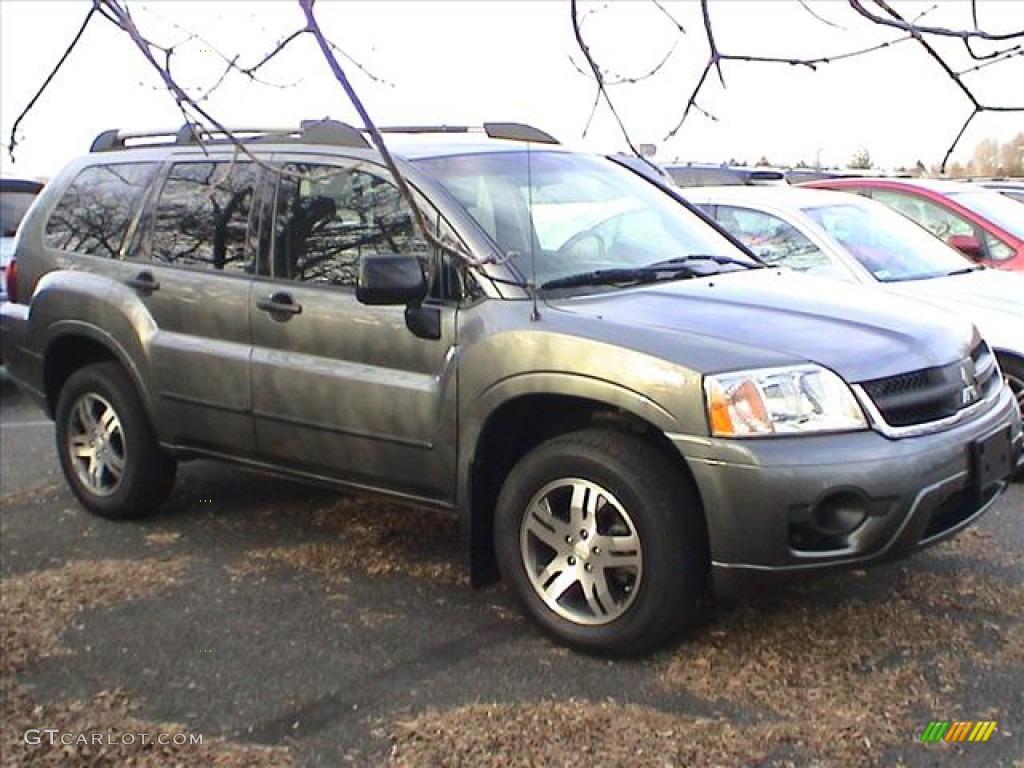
(941,222)
(327,218)
(95,212)
(775,241)
(202,217)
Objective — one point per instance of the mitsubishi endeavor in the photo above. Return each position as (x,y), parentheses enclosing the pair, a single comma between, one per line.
(622,405)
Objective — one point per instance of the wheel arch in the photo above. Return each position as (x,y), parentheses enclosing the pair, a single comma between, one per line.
(1015,378)
(71,345)
(527,417)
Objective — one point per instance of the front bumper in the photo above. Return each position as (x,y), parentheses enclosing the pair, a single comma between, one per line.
(765,500)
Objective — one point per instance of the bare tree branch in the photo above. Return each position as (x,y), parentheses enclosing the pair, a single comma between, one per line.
(670,17)
(1000,58)
(618,79)
(49,78)
(190,101)
(957,80)
(716,57)
(119,15)
(378,141)
(918,29)
(281,45)
(598,77)
(819,17)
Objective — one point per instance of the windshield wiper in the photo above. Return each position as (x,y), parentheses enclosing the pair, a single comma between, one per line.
(616,276)
(716,258)
(670,269)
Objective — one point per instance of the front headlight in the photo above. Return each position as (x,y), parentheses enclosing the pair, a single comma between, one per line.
(780,401)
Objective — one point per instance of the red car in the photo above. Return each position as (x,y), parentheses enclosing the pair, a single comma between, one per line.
(985,225)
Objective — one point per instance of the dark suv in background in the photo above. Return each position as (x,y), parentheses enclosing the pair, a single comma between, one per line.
(16,195)
(621,405)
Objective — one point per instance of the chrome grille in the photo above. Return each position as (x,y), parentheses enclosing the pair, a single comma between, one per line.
(933,394)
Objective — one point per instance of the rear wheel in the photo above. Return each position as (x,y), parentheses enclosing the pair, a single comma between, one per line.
(107,448)
(603,542)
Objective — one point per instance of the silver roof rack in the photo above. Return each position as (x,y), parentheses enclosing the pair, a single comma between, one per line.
(328,132)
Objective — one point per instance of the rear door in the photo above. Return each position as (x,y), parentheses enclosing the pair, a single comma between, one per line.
(342,389)
(192,270)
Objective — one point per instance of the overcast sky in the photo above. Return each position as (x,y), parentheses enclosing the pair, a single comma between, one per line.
(467,62)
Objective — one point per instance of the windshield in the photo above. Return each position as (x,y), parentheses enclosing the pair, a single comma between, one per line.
(1001,210)
(575,214)
(13,206)
(889,245)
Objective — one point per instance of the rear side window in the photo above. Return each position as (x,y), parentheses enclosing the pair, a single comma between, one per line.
(203,216)
(96,211)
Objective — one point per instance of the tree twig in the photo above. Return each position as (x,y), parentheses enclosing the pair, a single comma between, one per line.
(47,81)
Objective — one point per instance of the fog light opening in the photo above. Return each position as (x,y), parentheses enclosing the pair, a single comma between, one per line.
(827,526)
(839,514)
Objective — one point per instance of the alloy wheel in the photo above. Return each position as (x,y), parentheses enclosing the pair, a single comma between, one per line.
(96,444)
(581,551)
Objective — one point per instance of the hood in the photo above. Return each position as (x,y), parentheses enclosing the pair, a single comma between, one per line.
(861,333)
(992,299)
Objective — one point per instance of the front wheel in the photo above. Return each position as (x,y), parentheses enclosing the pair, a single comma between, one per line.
(1013,372)
(107,448)
(602,539)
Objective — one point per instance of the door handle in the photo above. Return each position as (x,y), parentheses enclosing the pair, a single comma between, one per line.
(144,281)
(280,304)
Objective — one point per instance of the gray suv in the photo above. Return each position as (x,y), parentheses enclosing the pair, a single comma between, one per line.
(623,407)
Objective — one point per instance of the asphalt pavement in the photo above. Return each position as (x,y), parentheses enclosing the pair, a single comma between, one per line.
(341,628)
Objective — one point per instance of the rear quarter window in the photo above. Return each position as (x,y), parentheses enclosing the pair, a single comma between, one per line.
(97,209)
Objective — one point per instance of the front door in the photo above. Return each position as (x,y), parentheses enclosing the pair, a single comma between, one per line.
(342,389)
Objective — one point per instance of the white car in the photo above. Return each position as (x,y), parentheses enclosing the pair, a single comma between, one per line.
(852,238)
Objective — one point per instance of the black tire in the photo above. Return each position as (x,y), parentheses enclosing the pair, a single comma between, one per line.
(107,448)
(1013,372)
(647,584)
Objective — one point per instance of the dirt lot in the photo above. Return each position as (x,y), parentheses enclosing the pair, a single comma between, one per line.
(288,625)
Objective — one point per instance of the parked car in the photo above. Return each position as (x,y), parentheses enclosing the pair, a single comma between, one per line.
(1012,188)
(621,404)
(16,195)
(801,175)
(986,226)
(857,240)
(700,174)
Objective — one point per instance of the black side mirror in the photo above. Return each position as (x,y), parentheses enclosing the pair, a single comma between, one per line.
(389,278)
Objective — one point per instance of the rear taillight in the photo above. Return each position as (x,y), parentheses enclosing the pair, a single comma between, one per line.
(11,280)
